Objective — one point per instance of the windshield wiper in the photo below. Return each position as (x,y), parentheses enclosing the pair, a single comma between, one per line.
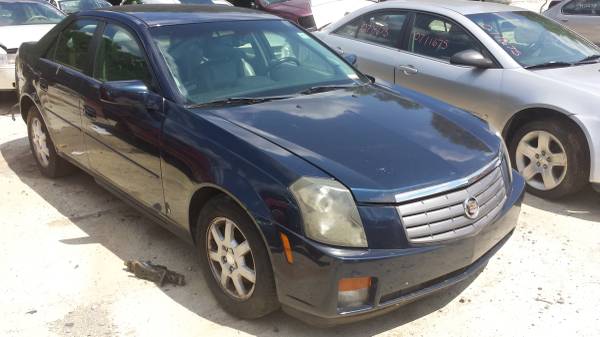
(551,64)
(237,101)
(590,59)
(324,88)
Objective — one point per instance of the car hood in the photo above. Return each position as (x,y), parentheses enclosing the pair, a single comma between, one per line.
(296,7)
(11,37)
(584,77)
(377,143)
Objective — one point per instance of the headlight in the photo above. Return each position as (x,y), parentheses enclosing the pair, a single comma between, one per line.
(6,58)
(329,212)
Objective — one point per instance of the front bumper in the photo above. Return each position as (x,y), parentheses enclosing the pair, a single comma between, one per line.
(308,290)
(7,78)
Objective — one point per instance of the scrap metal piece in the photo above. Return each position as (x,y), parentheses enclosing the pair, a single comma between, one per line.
(154,272)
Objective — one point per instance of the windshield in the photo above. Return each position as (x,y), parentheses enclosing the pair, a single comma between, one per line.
(72,6)
(214,61)
(28,13)
(270,2)
(532,39)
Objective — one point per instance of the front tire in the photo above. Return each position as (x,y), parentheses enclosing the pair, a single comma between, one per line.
(49,162)
(234,260)
(551,155)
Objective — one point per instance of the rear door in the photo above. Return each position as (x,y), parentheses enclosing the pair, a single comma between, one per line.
(425,66)
(61,70)
(123,141)
(583,16)
(375,38)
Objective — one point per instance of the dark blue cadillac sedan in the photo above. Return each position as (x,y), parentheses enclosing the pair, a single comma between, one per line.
(300,182)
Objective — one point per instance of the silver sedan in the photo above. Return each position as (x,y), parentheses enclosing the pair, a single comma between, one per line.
(531,78)
(583,16)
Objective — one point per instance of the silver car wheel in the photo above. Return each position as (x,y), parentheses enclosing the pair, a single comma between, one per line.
(230,258)
(40,146)
(542,160)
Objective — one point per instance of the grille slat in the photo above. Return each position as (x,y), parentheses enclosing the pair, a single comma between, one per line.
(443,217)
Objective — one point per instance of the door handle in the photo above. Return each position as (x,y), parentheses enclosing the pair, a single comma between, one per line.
(89,111)
(408,69)
(43,84)
(564,20)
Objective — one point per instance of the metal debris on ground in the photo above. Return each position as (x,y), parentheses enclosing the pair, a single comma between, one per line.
(154,272)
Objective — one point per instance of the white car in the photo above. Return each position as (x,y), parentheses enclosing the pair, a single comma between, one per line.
(535,81)
(21,21)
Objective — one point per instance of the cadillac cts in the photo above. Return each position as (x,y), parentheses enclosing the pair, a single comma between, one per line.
(301,183)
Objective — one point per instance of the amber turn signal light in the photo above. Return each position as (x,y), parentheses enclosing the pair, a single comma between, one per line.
(287,248)
(354,283)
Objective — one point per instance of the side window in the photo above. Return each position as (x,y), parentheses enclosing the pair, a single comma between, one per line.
(382,28)
(349,29)
(120,57)
(72,46)
(436,37)
(582,7)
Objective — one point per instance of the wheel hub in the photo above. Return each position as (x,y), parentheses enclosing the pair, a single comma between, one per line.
(543,165)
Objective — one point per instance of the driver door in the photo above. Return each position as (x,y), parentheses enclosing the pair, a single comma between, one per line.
(425,66)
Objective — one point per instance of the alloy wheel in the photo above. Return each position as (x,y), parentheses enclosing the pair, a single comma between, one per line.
(230,258)
(542,160)
(40,144)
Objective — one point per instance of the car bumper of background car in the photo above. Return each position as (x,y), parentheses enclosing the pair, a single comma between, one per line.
(308,289)
(7,78)
(590,124)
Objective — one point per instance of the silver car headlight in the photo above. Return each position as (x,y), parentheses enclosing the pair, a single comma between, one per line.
(329,212)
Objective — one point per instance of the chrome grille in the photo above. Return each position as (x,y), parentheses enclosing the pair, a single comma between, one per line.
(443,217)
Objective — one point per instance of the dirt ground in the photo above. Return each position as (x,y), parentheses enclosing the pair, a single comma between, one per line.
(63,244)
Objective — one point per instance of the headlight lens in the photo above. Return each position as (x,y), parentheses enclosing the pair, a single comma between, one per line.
(329,212)
(5,58)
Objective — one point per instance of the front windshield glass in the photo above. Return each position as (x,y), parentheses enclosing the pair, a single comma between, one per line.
(532,39)
(270,2)
(216,61)
(72,6)
(28,13)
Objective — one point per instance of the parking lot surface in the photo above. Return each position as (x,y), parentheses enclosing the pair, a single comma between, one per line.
(63,243)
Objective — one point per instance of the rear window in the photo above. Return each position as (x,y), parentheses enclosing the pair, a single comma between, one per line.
(28,13)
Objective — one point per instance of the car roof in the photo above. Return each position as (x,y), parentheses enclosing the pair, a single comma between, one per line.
(167,14)
(464,7)
(23,1)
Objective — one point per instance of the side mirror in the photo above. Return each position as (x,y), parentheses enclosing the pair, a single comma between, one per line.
(351,58)
(129,93)
(471,58)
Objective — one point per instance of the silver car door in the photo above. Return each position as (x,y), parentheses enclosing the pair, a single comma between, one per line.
(375,38)
(425,66)
(583,16)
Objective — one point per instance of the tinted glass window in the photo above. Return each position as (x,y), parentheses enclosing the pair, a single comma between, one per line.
(532,39)
(214,61)
(120,57)
(382,28)
(582,7)
(28,13)
(350,29)
(436,37)
(73,44)
(72,6)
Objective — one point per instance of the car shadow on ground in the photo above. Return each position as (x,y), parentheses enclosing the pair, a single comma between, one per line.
(127,234)
(8,103)
(583,205)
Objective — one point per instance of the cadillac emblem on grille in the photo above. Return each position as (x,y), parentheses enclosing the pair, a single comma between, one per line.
(471,208)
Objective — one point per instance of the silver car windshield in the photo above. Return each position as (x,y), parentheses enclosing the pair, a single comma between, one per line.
(28,13)
(250,59)
(533,40)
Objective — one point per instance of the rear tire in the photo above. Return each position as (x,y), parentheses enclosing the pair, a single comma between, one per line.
(552,157)
(258,298)
(49,162)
